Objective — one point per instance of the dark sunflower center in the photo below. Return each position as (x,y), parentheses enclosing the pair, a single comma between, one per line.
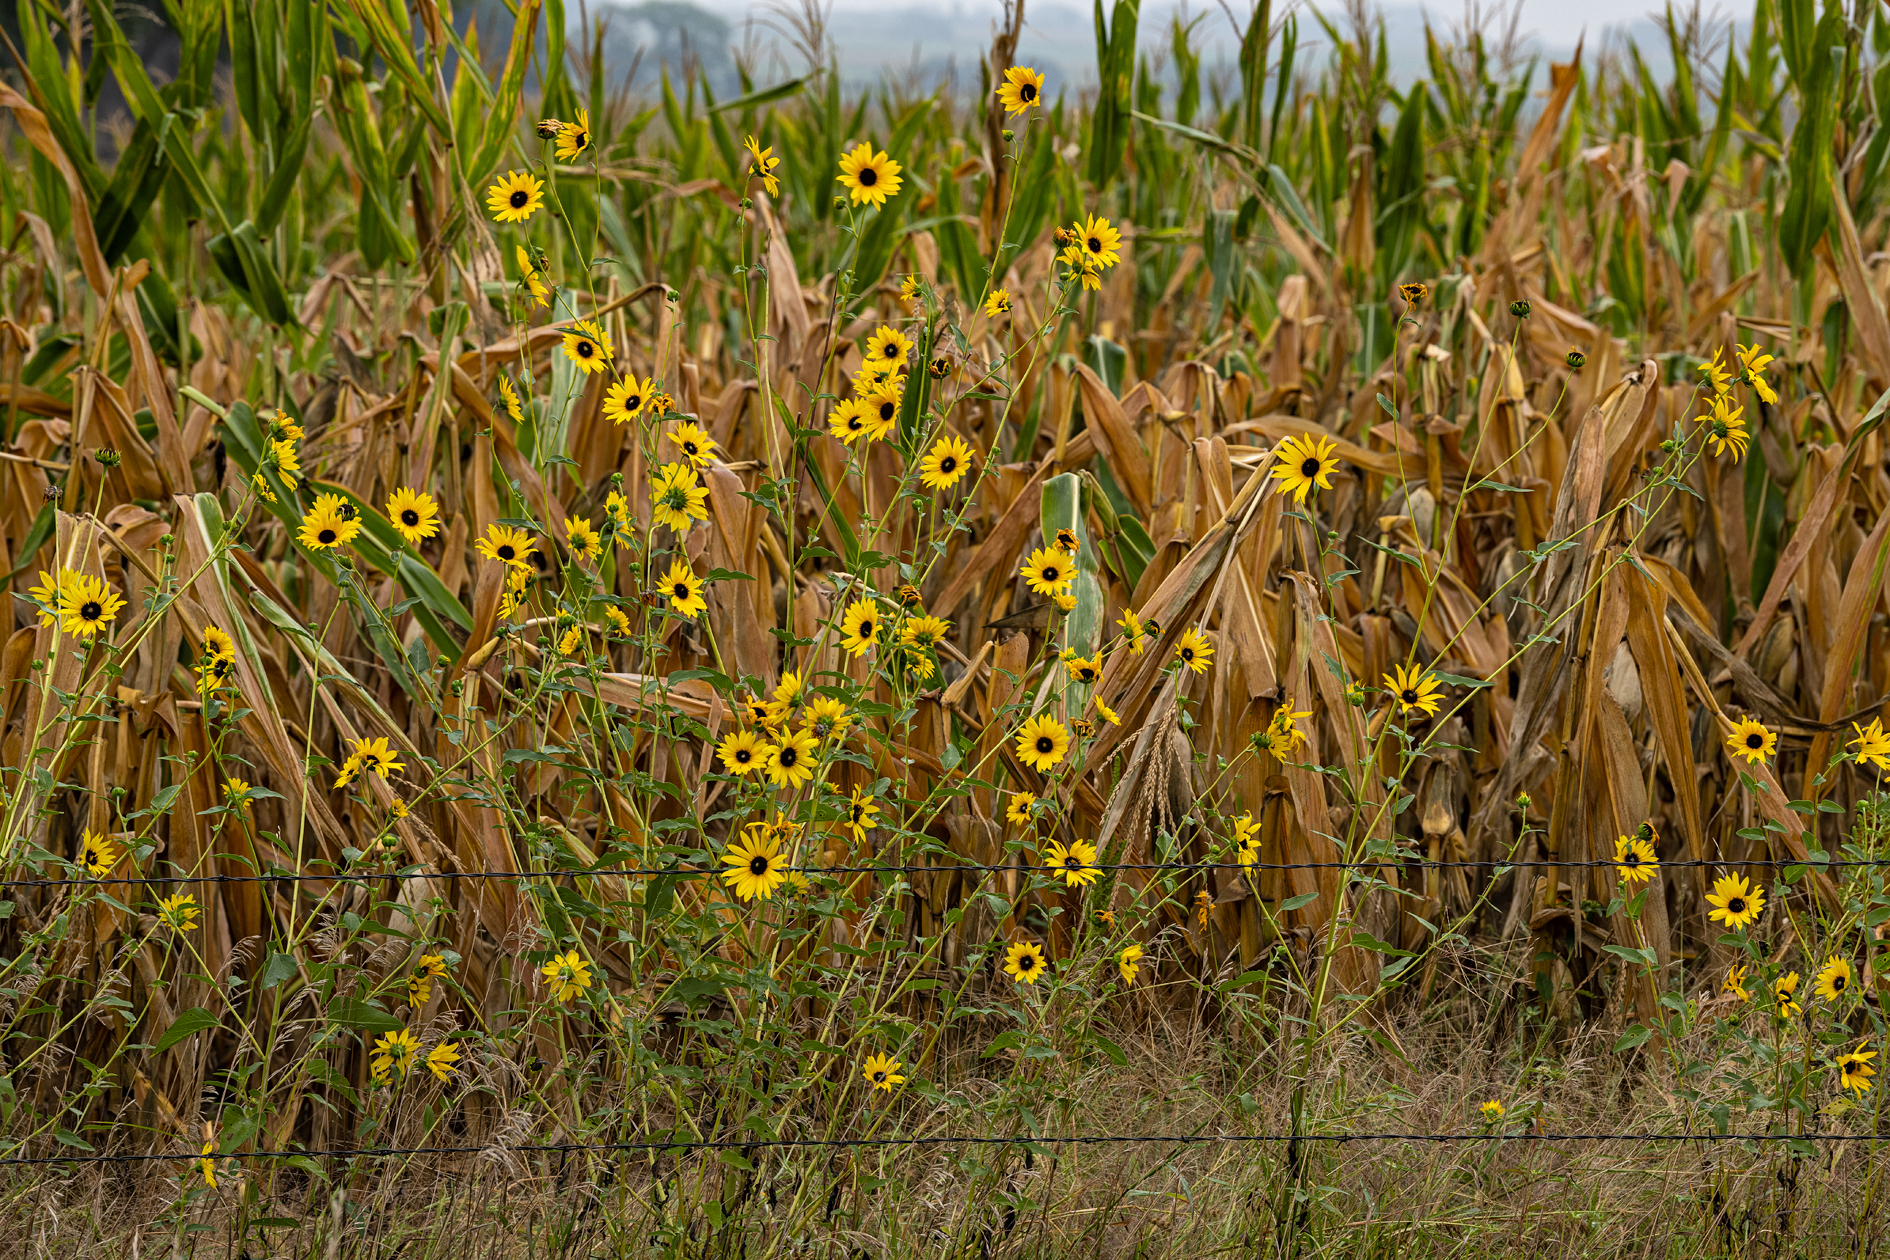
(410,518)
(1045,744)
(1026,93)
(1851,1066)
(866,629)
(220,667)
(854,424)
(948,464)
(789,756)
(519,198)
(507,553)
(1309,468)
(635,403)
(1187,654)
(1027,963)
(887,411)
(689,448)
(585,349)
(869,177)
(879,1078)
(1736,905)
(1755,741)
(1838,983)
(326,537)
(758,865)
(744,756)
(1051,573)
(1408,696)
(1095,245)
(682,590)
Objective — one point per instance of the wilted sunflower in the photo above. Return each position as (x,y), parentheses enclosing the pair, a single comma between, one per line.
(755,867)
(1024,962)
(567,975)
(617,520)
(588,346)
(1413,292)
(328,524)
(1047,570)
(1129,963)
(414,514)
(515,198)
(1021,89)
(1041,742)
(509,546)
(998,304)
(1413,688)
(1784,989)
(869,176)
(1735,902)
(684,589)
(676,499)
(742,752)
(574,138)
(1854,1070)
(883,1071)
(859,626)
(1750,739)
(1302,462)
(1018,810)
(695,444)
(791,761)
(1194,650)
(947,462)
(1834,979)
(97,854)
(1634,859)
(583,538)
(1076,864)
(761,164)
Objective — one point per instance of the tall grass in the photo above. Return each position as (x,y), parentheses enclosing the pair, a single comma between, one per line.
(1282,604)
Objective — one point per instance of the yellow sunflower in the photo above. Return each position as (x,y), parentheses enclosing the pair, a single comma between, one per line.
(1021,89)
(1129,963)
(533,279)
(684,589)
(1018,810)
(443,1061)
(515,198)
(1041,742)
(923,632)
(574,138)
(1735,902)
(1024,962)
(509,546)
(1854,1070)
(742,752)
(1194,650)
(1834,979)
(1634,859)
(179,912)
(862,813)
(1752,362)
(825,717)
(1300,463)
(791,761)
(582,537)
(1047,570)
(695,444)
(429,968)
(588,346)
(86,604)
(508,397)
(947,462)
(887,348)
(1783,991)
(1725,428)
(394,1055)
(676,500)
(1086,670)
(1872,745)
(998,304)
(97,854)
(1415,689)
(567,975)
(755,866)
(1750,739)
(761,164)
(414,514)
(1096,245)
(859,626)
(626,400)
(1134,633)
(1735,986)
(332,522)
(869,176)
(848,421)
(882,408)
(1076,864)
(882,1071)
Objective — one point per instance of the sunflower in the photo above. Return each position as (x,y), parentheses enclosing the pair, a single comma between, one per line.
(1750,739)
(887,348)
(288,463)
(414,514)
(1725,429)
(1735,986)
(1752,362)
(443,1061)
(618,619)
(1834,979)
(571,640)
(1047,571)
(97,854)
(1492,1110)
(755,867)
(1735,902)
(574,138)
(326,526)
(859,625)
(179,912)
(998,304)
(1300,463)
(1042,742)
(695,444)
(533,280)
(1095,247)
(509,546)
(791,762)
(588,346)
(86,604)
(1129,963)
(45,596)
(676,499)
(626,400)
(947,462)
(394,1055)
(1872,745)
(1194,650)
(1087,671)
(618,526)
(583,539)
(1076,864)
(1134,633)
(684,589)
(508,397)
(368,755)
(1634,859)
(515,198)
(1024,962)
(1413,292)
(923,632)
(567,975)
(1854,1070)
(825,717)
(862,813)
(869,176)
(882,1070)
(1106,713)
(1415,689)
(420,980)
(761,164)
(1784,989)
(206,1163)
(235,792)
(882,408)
(1018,810)
(1021,89)
(788,690)
(849,421)
(1714,376)
(742,752)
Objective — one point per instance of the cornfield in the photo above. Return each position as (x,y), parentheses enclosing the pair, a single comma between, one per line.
(749,676)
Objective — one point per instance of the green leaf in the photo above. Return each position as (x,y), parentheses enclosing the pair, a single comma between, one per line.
(779,92)
(1635,1036)
(275,969)
(353,1012)
(1294,903)
(196,1019)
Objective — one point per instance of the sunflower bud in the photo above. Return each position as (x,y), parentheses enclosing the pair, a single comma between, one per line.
(1522,802)
(1519,308)
(1575,359)
(106,456)
(839,203)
